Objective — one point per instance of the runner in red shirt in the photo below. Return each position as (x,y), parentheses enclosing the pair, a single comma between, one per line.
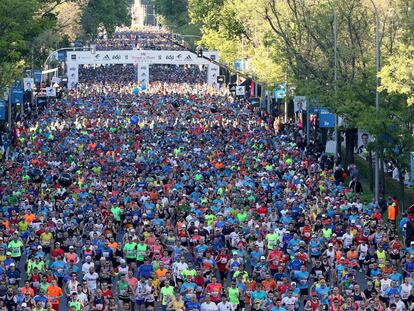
(221,261)
(214,289)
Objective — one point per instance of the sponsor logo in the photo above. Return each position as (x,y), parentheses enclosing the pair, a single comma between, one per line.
(143,54)
(72,68)
(159,57)
(213,57)
(126,56)
(188,57)
(143,74)
(106,57)
(213,68)
(144,68)
(171,57)
(73,56)
(179,56)
(97,56)
(116,57)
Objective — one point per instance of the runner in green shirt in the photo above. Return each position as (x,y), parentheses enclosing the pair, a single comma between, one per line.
(116,211)
(242,216)
(141,252)
(15,247)
(234,295)
(130,251)
(190,271)
(75,303)
(272,239)
(167,292)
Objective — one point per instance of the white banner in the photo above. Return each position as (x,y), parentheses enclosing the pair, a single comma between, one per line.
(50,92)
(73,75)
(212,72)
(240,90)
(56,80)
(28,84)
(143,73)
(141,57)
(299,103)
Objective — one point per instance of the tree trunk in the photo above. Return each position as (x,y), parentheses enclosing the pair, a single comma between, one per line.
(338,144)
(350,135)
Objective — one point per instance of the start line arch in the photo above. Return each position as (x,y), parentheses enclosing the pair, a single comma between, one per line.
(142,58)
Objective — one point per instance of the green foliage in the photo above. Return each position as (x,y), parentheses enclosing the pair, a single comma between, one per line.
(397,77)
(20,22)
(109,13)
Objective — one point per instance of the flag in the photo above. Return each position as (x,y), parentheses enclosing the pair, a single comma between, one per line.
(252,89)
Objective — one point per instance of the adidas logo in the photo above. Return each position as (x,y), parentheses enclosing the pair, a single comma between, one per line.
(107,57)
(188,57)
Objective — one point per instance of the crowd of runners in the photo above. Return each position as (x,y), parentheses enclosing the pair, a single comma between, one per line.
(147,38)
(124,74)
(180,197)
(178,73)
(108,73)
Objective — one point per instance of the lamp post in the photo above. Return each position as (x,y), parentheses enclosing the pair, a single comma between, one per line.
(377,63)
(335,31)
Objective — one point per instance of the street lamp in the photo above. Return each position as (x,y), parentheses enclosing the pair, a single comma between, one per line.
(335,31)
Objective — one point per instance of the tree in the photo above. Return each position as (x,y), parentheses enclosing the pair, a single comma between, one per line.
(397,77)
(20,22)
(109,13)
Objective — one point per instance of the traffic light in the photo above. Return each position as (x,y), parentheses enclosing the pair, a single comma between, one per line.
(199,51)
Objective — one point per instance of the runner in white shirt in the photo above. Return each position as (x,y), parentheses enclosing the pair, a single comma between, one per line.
(178,268)
(289,301)
(92,279)
(405,289)
(208,305)
(224,305)
(347,239)
(385,283)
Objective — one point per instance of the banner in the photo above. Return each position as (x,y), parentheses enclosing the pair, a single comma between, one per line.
(61,56)
(2,110)
(28,84)
(239,65)
(213,72)
(279,91)
(50,92)
(299,104)
(56,80)
(240,90)
(142,58)
(143,73)
(37,76)
(326,119)
(73,76)
(17,95)
(41,101)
